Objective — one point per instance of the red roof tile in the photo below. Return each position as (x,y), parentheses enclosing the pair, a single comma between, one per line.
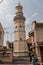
(29,40)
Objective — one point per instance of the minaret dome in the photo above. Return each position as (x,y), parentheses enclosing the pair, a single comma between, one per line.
(19,12)
(19,9)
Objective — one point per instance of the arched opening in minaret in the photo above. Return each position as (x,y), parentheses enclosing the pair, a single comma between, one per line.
(20,38)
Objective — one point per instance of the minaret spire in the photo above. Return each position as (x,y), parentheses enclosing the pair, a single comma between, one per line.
(19,3)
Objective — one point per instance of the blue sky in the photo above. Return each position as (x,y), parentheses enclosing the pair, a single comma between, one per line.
(33,10)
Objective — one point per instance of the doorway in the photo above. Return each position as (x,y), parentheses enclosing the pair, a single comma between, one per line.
(41,52)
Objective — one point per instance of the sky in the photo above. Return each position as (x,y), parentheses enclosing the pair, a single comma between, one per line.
(33,10)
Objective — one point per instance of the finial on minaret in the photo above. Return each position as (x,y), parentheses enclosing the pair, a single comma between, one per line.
(19,3)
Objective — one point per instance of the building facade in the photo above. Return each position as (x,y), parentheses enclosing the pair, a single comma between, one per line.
(37,40)
(5,53)
(29,44)
(1,36)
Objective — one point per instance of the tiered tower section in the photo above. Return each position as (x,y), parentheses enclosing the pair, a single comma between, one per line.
(20,45)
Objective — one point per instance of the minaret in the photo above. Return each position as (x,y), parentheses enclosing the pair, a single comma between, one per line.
(20,45)
(1,36)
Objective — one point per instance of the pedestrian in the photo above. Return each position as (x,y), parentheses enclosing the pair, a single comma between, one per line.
(34,59)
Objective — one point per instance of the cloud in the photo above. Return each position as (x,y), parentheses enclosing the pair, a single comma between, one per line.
(10,17)
(0,11)
(29,20)
(34,14)
(28,23)
(1,1)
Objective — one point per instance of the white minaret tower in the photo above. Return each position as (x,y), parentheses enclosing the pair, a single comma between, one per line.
(20,45)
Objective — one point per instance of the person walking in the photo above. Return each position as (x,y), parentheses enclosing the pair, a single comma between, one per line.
(34,59)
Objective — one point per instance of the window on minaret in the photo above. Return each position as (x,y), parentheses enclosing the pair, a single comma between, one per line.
(0,34)
(20,26)
(16,27)
(20,38)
